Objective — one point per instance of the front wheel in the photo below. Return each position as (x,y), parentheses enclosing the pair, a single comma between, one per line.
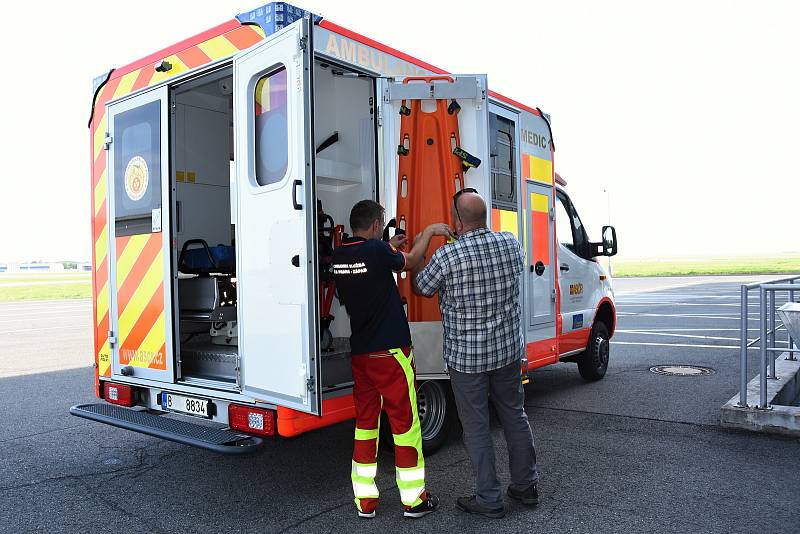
(593,362)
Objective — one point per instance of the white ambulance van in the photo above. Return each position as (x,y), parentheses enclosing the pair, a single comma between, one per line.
(224,169)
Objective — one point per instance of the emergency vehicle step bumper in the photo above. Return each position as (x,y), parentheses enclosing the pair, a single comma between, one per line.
(206,437)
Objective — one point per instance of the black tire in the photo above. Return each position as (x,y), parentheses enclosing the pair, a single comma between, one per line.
(593,362)
(437,416)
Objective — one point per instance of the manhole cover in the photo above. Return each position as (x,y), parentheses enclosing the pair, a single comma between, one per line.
(681,370)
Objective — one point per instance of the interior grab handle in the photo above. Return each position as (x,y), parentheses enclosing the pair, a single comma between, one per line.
(295,185)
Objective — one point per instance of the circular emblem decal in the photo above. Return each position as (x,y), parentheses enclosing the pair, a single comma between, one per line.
(136,178)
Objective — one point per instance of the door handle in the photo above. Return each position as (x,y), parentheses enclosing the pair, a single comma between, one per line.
(296,204)
(563,267)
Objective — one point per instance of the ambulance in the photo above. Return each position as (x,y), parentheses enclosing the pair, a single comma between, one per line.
(223,172)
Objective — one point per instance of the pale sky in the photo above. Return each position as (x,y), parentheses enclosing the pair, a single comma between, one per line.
(686,112)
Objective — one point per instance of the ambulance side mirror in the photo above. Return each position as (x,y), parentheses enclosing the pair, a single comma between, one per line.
(608,247)
(609,241)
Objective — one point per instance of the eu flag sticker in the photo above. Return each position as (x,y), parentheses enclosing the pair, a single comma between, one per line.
(577,321)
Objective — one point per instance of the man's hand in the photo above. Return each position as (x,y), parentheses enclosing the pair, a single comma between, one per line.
(439,229)
(399,241)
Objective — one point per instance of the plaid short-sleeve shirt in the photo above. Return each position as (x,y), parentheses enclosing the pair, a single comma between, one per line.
(478,280)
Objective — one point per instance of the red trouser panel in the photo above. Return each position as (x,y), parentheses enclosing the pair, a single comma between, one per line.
(386,381)
(376,377)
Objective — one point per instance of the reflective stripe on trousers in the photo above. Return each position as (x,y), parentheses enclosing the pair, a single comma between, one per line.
(386,381)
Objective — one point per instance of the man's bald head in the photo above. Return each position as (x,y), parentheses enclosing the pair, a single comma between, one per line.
(471,210)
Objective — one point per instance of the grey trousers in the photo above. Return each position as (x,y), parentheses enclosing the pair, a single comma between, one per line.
(472,392)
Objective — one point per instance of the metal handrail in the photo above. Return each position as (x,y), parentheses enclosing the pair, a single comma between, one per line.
(781,327)
(778,281)
(768,329)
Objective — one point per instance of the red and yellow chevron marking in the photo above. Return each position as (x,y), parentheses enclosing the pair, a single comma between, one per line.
(140,301)
(220,42)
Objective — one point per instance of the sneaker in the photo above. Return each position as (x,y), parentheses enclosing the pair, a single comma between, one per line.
(366,507)
(472,506)
(424,508)
(524,494)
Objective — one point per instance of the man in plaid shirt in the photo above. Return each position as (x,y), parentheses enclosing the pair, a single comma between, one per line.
(478,281)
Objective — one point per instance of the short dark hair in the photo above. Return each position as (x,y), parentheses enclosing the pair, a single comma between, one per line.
(364,213)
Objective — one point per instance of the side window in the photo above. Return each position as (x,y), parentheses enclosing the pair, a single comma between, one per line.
(578,232)
(570,230)
(137,168)
(271,128)
(502,152)
(563,226)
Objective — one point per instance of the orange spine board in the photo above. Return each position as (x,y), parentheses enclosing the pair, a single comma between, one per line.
(432,175)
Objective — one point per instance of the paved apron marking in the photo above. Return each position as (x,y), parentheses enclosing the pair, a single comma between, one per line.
(39,329)
(730,317)
(679,345)
(691,330)
(643,332)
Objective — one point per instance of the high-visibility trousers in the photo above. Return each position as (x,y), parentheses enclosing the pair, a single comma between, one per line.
(386,381)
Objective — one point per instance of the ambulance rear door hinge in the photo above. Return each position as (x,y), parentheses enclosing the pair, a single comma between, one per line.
(111,339)
(107,141)
(311,384)
(553,295)
(303,43)
(552,214)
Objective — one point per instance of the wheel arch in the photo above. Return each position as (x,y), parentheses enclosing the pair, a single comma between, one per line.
(607,313)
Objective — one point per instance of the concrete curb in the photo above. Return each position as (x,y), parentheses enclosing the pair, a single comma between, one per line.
(779,418)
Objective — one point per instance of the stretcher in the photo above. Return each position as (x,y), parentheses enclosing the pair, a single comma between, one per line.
(330,236)
(430,171)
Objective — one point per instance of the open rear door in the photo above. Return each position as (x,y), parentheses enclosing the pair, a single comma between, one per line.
(275,229)
(140,272)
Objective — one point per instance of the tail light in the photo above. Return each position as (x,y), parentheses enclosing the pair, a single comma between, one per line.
(251,420)
(121,394)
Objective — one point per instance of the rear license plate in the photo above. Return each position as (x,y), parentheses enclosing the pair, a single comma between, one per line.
(188,405)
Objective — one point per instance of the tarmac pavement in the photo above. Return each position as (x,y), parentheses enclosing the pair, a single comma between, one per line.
(634,452)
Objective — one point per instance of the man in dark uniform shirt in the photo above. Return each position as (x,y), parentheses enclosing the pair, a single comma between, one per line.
(382,360)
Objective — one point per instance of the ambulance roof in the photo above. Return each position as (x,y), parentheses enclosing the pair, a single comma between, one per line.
(268,12)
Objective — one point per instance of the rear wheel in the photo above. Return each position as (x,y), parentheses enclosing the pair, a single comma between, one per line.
(593,362)
(436,408)
(437,416)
